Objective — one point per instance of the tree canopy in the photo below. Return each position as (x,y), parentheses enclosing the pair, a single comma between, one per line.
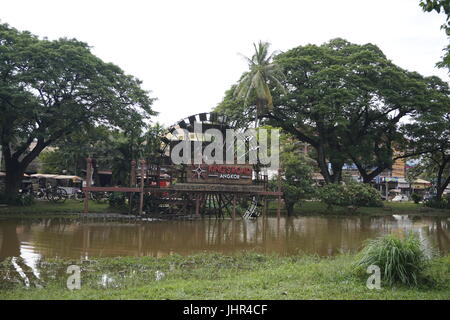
(50,89)
(347,101)
(429,135)
(440,6)
(254,84)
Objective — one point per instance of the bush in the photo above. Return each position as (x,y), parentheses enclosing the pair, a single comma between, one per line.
(400,260)
(353,194)
(25,200)
(416,198)
(363,195)
(444,203)
(333,195)
(117,199)
(18,200)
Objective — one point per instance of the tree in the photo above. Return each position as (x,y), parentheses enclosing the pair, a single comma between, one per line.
(70,152)
(255,83)
(111,149)
(51,89)
(438,6)
(429,135)
(296,179)
(297,182)
(346,101)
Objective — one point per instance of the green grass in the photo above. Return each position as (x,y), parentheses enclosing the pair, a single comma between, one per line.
(390,208)
(217,276)
(401,259)
(47,208)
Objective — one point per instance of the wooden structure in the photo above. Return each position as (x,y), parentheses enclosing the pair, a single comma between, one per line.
(167,188)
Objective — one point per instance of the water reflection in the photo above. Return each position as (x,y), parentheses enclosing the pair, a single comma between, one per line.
(52,238)
(23,260)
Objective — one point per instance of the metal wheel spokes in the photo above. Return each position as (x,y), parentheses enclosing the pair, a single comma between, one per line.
(253,210)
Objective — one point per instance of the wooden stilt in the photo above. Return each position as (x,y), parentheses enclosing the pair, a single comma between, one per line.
(279,197)
(88,184)
(132,184)
(197,204)
(234,207)
(141,192)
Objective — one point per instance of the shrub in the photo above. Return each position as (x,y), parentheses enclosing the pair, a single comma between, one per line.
(3,198)
(444,203)
(333,195)
(401,260)
(416,198)
(353,194)
(18,200)
(25,200)
(363,195)
(117,199)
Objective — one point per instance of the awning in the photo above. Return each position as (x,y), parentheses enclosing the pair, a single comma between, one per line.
(421,181)
(56,176)
(43,175)
(64,177)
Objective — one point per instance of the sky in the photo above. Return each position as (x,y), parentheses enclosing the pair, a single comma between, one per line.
(187,52)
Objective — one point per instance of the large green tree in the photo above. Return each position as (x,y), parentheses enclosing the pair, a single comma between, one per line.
(346,101)
(50,89)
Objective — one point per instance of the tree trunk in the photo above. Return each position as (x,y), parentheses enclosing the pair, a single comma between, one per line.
(439,192)
(289,207)
(336,177)
(13,178)
(321,162)
(15,168)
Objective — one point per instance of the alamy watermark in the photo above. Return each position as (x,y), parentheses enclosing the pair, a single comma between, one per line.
(74,280)
(252,146)
(374,280)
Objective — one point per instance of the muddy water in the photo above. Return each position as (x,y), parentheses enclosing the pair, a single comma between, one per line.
(49,238)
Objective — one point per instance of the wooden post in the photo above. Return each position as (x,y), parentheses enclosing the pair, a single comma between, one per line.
(387,189)
(133,174)
(266,188)
(132,184)
(197,204)
(141,192)
(88,184)
(234,207)
(279,196)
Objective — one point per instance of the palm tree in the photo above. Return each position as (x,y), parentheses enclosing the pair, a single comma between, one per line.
(263,71)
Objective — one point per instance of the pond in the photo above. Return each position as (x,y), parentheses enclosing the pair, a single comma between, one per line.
(325,236)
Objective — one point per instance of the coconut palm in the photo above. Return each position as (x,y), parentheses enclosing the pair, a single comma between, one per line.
(262,73)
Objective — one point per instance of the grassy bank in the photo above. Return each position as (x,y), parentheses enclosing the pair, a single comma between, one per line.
(45,208)
(216,276)
(40,208)
(390,208)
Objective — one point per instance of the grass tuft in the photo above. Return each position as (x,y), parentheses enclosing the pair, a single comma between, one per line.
(401,259)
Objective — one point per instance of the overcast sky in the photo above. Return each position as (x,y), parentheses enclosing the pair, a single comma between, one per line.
(186,52)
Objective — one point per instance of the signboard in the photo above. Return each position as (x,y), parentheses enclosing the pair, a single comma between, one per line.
(197,187)
(222,174)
